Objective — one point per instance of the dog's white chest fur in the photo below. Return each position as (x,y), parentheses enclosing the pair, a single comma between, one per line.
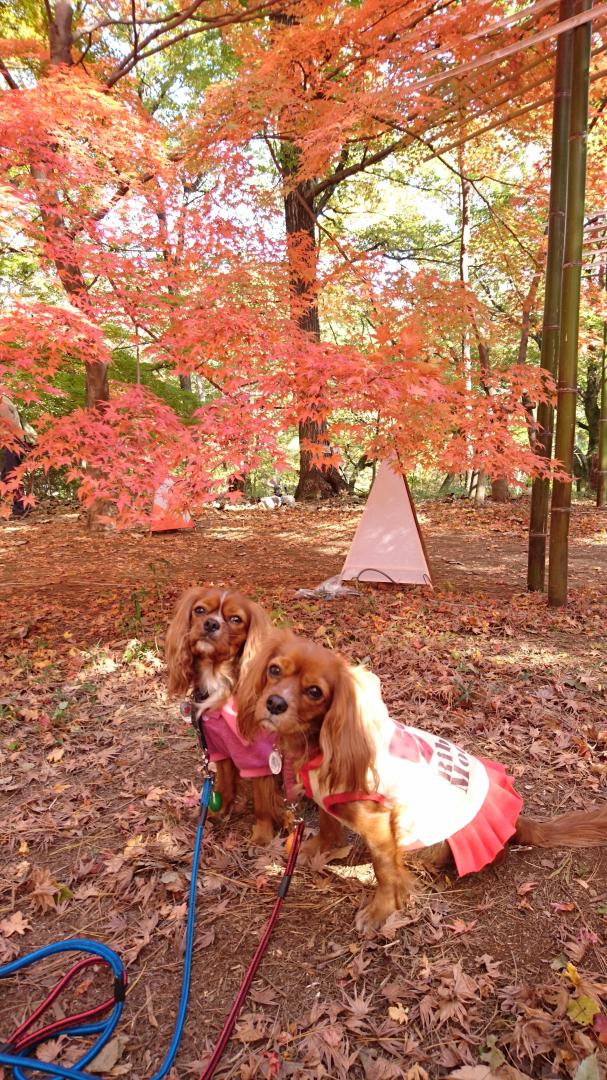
(217,680)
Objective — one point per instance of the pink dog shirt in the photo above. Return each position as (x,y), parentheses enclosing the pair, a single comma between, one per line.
(225,741)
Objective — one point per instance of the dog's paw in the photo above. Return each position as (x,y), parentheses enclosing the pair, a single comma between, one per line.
(385,902)
(311,847)
(373,915)
(263,834)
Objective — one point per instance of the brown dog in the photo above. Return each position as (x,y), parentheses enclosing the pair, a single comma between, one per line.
(212,640)
(400,788)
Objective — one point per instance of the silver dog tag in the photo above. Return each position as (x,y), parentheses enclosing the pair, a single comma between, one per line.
(275,762)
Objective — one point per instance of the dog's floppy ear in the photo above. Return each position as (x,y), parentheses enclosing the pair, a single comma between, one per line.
(253,680)
(259,629)
(345,739)
(177,651)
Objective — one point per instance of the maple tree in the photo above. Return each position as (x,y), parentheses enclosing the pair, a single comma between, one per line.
(168,240)
(104,236)
(339,106)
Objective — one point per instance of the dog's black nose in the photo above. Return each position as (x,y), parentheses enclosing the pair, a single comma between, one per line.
(276,704)
(211,626)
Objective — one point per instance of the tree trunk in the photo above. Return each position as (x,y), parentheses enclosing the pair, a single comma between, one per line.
(523,346)
(358,467)
(528,306)
(464,277)
(601,487)
(529,406)
(570,314)
(315,482)
(70,274)
(499,484)
(238,483)
(60,34)
(540,492)
(464,269)
(97,385)
(478,487)
(447,484)
(171,258)
(500,492)
(590,401)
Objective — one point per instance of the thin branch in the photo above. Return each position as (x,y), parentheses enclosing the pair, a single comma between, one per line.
(598,113)
(328,194)
(504,120)
(207,23)
(351,170)
(135,30)
(509,50)
(7,75)
(83,54)
(518,16)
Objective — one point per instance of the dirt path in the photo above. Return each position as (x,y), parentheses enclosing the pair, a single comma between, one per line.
(98,782)
(299,547)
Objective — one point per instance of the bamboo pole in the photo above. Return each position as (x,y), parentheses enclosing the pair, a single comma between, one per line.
(502,121)
(570,313)
(582,18)
(601,487)
(447,118)
(540,492)
(518,16)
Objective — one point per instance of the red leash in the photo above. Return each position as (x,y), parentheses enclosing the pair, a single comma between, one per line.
(234,1013)
(19,1040)
(23,1038)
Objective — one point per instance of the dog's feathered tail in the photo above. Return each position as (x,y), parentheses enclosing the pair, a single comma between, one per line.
(582,828)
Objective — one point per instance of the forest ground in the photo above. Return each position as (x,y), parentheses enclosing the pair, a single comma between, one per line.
(99,778)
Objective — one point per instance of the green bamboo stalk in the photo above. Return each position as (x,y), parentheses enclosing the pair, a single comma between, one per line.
(601,488)
(540,491)
(570,313)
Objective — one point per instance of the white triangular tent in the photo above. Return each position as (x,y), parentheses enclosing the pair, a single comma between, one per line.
(388,544)
(165,519)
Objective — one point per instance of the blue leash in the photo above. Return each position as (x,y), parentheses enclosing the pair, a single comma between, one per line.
(105,1028)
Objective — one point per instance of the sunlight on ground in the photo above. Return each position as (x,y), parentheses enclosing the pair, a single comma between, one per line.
(537,657)
(362,872)
(594,540)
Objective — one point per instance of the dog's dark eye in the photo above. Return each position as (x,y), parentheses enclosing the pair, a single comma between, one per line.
(198,610)
(313,692)
(235,619)
(274,670)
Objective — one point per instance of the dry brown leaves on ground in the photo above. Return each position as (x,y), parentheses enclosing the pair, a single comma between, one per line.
(500,975)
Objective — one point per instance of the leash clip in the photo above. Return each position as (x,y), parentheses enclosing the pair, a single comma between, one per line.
(293,815)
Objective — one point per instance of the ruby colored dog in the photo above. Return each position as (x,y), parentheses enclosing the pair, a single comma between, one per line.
(400,788)
(211,642)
